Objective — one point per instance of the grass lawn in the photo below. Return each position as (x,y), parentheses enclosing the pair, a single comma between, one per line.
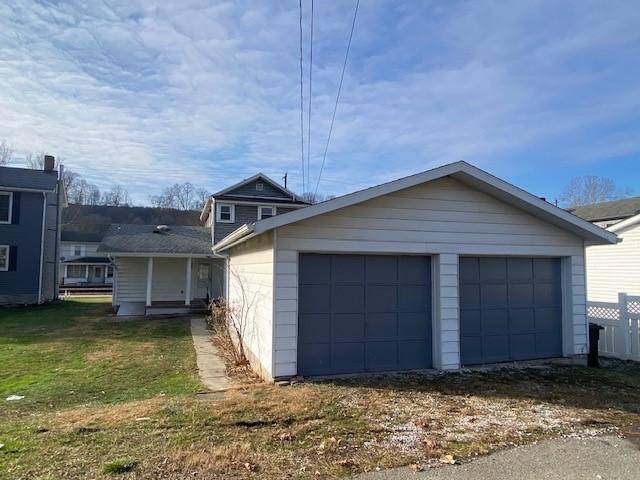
(110,399)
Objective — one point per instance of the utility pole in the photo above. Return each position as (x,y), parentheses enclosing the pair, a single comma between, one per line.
(285,179)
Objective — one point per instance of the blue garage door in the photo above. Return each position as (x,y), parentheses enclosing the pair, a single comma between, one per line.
(510,309)
(363,313)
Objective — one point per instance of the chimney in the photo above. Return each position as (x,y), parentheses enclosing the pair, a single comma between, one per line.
(49,163)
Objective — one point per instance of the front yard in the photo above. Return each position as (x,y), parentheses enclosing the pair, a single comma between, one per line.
(106,399)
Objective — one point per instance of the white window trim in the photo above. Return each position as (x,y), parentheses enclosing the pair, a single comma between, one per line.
(233,212)
(273,208)
(10,195)
(5,268)
(73,250)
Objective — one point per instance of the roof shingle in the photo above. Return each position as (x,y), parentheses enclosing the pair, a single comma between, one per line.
(178,239)
(615,209)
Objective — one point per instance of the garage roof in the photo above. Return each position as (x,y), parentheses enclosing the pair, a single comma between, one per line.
(461,171)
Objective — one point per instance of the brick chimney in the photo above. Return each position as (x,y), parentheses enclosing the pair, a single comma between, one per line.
(49,163)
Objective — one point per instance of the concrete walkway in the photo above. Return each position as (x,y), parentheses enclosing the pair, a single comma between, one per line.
(210,365)
(597,458)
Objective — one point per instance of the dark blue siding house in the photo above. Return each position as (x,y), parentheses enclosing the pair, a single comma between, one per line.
(31,203)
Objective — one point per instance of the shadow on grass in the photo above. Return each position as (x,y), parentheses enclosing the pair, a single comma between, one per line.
(616,386)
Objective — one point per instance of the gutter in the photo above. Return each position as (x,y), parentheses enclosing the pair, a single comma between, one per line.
(30,190)
(235,236)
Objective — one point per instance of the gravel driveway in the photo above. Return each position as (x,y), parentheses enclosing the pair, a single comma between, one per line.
(595,458)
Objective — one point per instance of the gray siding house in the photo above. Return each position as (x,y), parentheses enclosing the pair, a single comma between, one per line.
(31,203)
(165,268)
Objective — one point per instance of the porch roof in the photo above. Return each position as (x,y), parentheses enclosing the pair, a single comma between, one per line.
(148,240)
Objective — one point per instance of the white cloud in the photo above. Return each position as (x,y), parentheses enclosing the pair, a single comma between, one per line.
(147,95)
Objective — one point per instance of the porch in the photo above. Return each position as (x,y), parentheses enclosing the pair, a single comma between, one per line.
(166,285)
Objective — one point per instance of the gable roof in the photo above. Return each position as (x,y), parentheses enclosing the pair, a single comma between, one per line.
(28,179)
(144,239)
(259,176)
(462,171)
(615,209)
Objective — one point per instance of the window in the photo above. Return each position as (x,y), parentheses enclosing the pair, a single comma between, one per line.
(77,250)
(6,202)
(76,271)
(225,213)
(266,212)
(203,271)
(4,258)
(259,187)
(109,272)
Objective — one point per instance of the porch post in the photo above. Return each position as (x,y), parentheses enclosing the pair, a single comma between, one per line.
(187,290)
(149,280)
(86,272)
(65,272)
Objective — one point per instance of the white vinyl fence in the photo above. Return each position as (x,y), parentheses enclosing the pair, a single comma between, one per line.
(620,337)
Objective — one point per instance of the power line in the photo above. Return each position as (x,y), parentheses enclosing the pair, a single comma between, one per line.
(310,90)
(301,101)
(335,108)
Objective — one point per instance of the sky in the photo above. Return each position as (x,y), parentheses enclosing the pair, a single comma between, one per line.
(147,94)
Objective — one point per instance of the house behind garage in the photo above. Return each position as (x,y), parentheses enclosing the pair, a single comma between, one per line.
(442,269)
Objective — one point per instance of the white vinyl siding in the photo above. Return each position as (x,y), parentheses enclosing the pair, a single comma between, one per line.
(250,297)
(444,217)
(169,279)
(88,249)
(615,268)
(131,279)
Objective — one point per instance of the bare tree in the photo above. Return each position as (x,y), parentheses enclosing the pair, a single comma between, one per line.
(69,181)
(6,152)
(93,195)
(35,160)
(588,189)
(183,196)
(117,196)
(313,197)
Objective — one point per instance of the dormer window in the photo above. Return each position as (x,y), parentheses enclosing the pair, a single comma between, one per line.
(225,213)
(266,212)
(259,187)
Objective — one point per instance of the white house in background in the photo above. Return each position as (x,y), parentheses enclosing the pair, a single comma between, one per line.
(445,268)
(614,269)
(80,263)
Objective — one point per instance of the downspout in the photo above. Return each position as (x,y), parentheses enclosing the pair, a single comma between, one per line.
(44,223)
(56,263)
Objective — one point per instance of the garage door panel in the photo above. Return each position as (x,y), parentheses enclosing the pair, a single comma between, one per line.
(382,356)
(412,298)
(520,268)
(523,346)
(317,358)
(347,298)
(471,349)
(347,357)
(314,270)
(471,321)
(348,269)
(381,269)
(522,320)
(469,296)
(413,325)
(521,295)
(546,269)
(494,320)
(494,295)
(378,314)
(382,298)
(547,318)
(315,299)
(547,295)
(381,325)
(346,326)
(496,348)
(413,354)
(315,327)
(510,309)
(493,269)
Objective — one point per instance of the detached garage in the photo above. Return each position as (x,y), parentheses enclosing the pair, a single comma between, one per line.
(446,268)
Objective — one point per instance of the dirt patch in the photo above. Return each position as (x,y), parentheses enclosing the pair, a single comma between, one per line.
(115,415)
